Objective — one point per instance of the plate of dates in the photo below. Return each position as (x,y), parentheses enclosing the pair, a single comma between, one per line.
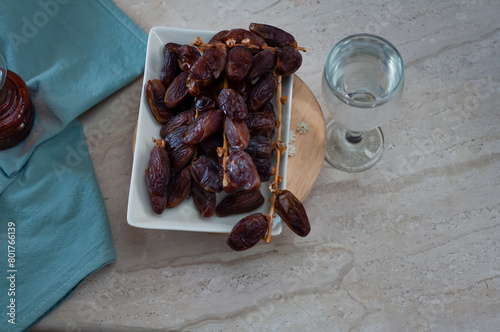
(213,121)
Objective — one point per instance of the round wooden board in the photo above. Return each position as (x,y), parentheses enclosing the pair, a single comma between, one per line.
(304,167)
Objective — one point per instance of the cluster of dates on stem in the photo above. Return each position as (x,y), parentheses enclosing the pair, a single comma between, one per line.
(214,101)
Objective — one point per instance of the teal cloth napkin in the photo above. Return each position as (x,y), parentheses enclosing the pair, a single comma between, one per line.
(54,229)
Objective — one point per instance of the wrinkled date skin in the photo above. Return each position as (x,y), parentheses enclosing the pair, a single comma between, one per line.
(210,64)
(232,104)
(181,119)
(159,169)
(247,232)
(240,34)
(169,70)
(240,202)
(261,123)
(220,37)
(263,91)
(174,138)
(204,201)
(155,92)
(239,61)
(273,36)
(187,55)
(288,60)
(157,178)
(237,133)
(180,157)
(260,147)
(204,103)
(231,186)
(178,188)
(195,86)
(242,170)
(264,168)
(293,213)
(157,201)
(177,91)
(204,126)
(242,87)
(206,173)
(262,63)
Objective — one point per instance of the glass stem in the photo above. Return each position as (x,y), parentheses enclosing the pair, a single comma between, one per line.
(353,137)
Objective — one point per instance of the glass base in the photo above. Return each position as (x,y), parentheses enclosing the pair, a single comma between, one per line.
(354,155)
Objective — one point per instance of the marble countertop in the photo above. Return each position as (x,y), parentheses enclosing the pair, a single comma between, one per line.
(411,244)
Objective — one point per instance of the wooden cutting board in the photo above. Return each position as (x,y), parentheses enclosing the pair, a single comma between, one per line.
(304,167)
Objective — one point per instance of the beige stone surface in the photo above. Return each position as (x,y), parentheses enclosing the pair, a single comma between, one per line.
(412,244)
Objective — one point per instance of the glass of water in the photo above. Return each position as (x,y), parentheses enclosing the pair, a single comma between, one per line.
(362,84)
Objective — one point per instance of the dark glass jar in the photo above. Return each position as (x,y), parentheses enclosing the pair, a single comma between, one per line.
(16,110)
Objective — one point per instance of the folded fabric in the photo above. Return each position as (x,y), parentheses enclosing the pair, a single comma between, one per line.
(54,229)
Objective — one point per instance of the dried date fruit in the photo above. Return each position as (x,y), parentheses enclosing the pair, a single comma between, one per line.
(209,147)
(239,61)
(247,232)
(204,103)
(261,123)
(187,56)
(260,147)
(180,157)
(196,86)
(241,168)
(206,173)
(210,64)
(181,119)
(288,60)
(237,133)
(158,201)
(175,138)
(155,92)
(293,213)
(204,126)
(231,186)
(242,87)
(170,67)
(220,37)
(264,168)
(157,178)
(184,105)
(204,201)
(178,188)
(177,91)
(171,47)
(239,35)
(262,63)
(240,202)
(158,171)
(273,36)
(267,108)
(232,104)
(263,91)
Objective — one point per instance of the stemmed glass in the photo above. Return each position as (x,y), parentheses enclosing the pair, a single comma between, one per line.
(362,84)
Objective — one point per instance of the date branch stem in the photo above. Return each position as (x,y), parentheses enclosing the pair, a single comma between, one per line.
(280,148)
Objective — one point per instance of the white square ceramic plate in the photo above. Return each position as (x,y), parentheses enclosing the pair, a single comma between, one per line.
(184,217)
